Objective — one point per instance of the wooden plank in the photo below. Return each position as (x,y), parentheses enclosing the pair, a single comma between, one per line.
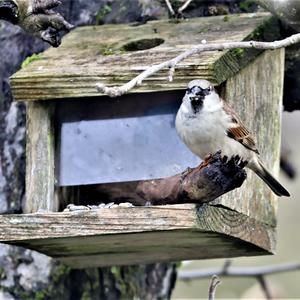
(98,54)
(40,158)
(139,234)
(256,94)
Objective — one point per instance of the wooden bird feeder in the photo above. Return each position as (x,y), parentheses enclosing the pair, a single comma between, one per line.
(86,148)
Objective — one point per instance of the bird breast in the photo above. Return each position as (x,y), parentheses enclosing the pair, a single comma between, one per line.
(205,133)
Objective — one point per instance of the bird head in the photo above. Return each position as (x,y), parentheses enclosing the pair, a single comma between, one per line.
(200,94)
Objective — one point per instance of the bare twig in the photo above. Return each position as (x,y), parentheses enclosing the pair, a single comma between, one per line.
(213,286)
(184,6)
(171,64)
(227,271)
(238,271)
(171,74)
(170,7)
(265,287)
(226,265)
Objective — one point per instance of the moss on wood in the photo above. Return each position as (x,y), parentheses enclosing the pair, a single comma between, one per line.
(30,59)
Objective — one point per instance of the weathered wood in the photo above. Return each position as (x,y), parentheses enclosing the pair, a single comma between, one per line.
(106,54)
(256,94)
(40,158)
(243,223)
(211,179)
(122,236)
(257,99)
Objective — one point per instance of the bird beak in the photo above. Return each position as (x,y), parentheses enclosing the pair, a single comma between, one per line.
(197,98)
(196,93)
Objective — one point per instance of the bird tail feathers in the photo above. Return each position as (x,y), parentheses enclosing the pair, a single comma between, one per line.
(273,183)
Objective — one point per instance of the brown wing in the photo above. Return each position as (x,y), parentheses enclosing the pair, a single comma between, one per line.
(238,131)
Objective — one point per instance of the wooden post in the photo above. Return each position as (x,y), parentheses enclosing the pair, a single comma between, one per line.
(40,158)
(256,94)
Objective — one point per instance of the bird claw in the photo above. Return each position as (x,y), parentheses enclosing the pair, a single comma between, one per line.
(234,161)
(225,159)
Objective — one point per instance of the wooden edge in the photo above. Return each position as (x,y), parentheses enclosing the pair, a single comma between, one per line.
(139,234)
(237,59)
(153,247)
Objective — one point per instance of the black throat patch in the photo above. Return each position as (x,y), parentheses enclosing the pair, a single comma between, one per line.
(197,96)
(196,104)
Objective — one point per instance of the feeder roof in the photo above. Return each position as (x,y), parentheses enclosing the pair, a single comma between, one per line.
(114,54)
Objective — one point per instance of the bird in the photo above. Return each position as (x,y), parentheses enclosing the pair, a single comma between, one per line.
(206,124)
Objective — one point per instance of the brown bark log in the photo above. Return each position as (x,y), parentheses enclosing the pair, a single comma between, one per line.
(211,179)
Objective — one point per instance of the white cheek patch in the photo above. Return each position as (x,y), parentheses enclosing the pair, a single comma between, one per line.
(212,102)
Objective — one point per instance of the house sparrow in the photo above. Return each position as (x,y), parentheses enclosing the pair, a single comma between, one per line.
(207,124)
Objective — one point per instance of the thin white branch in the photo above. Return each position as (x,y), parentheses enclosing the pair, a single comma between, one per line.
(213,286)
(171,64)
(171,74)
(184,6)
(170,7)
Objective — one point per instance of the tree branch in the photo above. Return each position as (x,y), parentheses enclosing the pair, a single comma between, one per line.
(213,178)
(227,271)
(213,286)
(238,271)
(171,64)
(265,287)
(36,17)
(170,7)
(184,6)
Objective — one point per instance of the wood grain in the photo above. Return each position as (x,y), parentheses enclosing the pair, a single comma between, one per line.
(139,234)
(40,158)
(89,55)
(256,94)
